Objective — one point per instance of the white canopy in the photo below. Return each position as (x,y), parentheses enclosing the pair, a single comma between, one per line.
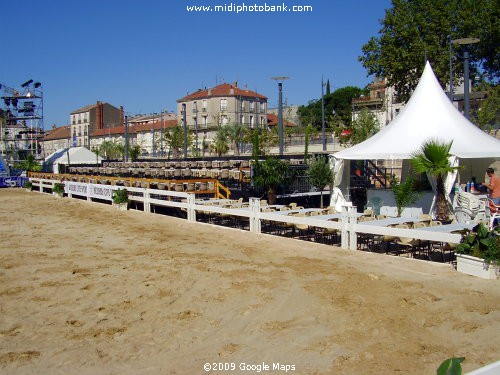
(428,114)
(70,156)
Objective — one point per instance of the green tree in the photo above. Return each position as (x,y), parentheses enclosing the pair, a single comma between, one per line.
(487,117)
(363,127)
(269,175)
(338,102)
(405,193)
(135,151)
(320,174)
(111,150)
(413,30)
(235,133)
(220,144)
(432,158)
(29,164)
(174,139)
(308,131)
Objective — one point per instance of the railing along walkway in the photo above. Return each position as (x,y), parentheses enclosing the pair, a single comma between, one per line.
(347,223)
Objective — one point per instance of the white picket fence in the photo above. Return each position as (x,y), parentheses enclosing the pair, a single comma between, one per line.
(348,225)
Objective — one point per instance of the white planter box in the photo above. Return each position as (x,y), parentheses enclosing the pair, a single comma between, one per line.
(57,195)
(476,267)
(121,206)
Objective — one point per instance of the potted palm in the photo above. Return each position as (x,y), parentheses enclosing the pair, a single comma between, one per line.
(433,159)
(120,199)
(478,254)
(269,175)
(405,193)
(58,189)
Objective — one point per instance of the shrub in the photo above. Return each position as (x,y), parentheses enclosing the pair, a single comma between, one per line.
(58,188)
(28,185)
(481,243)
(120,196)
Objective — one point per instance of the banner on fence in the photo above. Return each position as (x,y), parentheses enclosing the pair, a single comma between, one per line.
(90,190)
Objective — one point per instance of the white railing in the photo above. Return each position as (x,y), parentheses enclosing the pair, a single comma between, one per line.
(347,224)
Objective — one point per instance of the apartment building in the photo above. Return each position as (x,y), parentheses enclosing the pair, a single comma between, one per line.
(84,121)
(381,101)
(222,105)
(55,139)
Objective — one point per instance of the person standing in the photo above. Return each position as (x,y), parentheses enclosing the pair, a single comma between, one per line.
(494,185)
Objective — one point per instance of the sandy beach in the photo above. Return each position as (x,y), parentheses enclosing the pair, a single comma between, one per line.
(87,289)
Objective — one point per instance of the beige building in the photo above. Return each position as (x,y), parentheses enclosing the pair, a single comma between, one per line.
(382,102)
(222,105)
(86,120)
(55,139)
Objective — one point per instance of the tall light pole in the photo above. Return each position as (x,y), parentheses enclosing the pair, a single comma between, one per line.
(184,121)
(465,42)
(280,81)
(323,114)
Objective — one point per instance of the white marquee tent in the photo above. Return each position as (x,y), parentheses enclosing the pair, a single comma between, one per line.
(429,114)
(70,156)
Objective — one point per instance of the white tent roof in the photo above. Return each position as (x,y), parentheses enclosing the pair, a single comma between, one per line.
(77,155)
(428,114)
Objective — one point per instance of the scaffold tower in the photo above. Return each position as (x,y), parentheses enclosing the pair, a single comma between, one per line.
(21,120)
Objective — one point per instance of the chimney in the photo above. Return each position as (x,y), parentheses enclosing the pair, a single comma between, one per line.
(122,117)
(209,92)
(99,115)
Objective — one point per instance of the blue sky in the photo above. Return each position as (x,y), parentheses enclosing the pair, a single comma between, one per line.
(144,55)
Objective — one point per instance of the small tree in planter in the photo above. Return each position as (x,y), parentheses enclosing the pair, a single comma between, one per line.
(58,189)
(120,198)
(320,174)
(28,185)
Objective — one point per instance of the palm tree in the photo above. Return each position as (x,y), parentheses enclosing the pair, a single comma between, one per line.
(235,135)
(270,174)
(220,144)
(30,164)
(433,159)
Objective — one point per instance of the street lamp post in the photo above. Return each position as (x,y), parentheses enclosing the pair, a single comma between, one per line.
(323,115)
(465,42)
(184,121)
(280,111)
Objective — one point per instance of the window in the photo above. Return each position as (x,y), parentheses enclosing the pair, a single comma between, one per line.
(262,107)
(251,106)
(242,119)
(251,121)
(205,121)
(242,108)
(195,107)
(204,105)
(223,104)
(224,120)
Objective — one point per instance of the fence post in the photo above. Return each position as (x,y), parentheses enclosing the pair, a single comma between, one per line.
(353,237)
(147,204)
(254,215)
(344,229)
(89,199)
(191,212)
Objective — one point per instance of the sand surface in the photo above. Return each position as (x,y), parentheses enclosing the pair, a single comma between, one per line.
(87,289)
